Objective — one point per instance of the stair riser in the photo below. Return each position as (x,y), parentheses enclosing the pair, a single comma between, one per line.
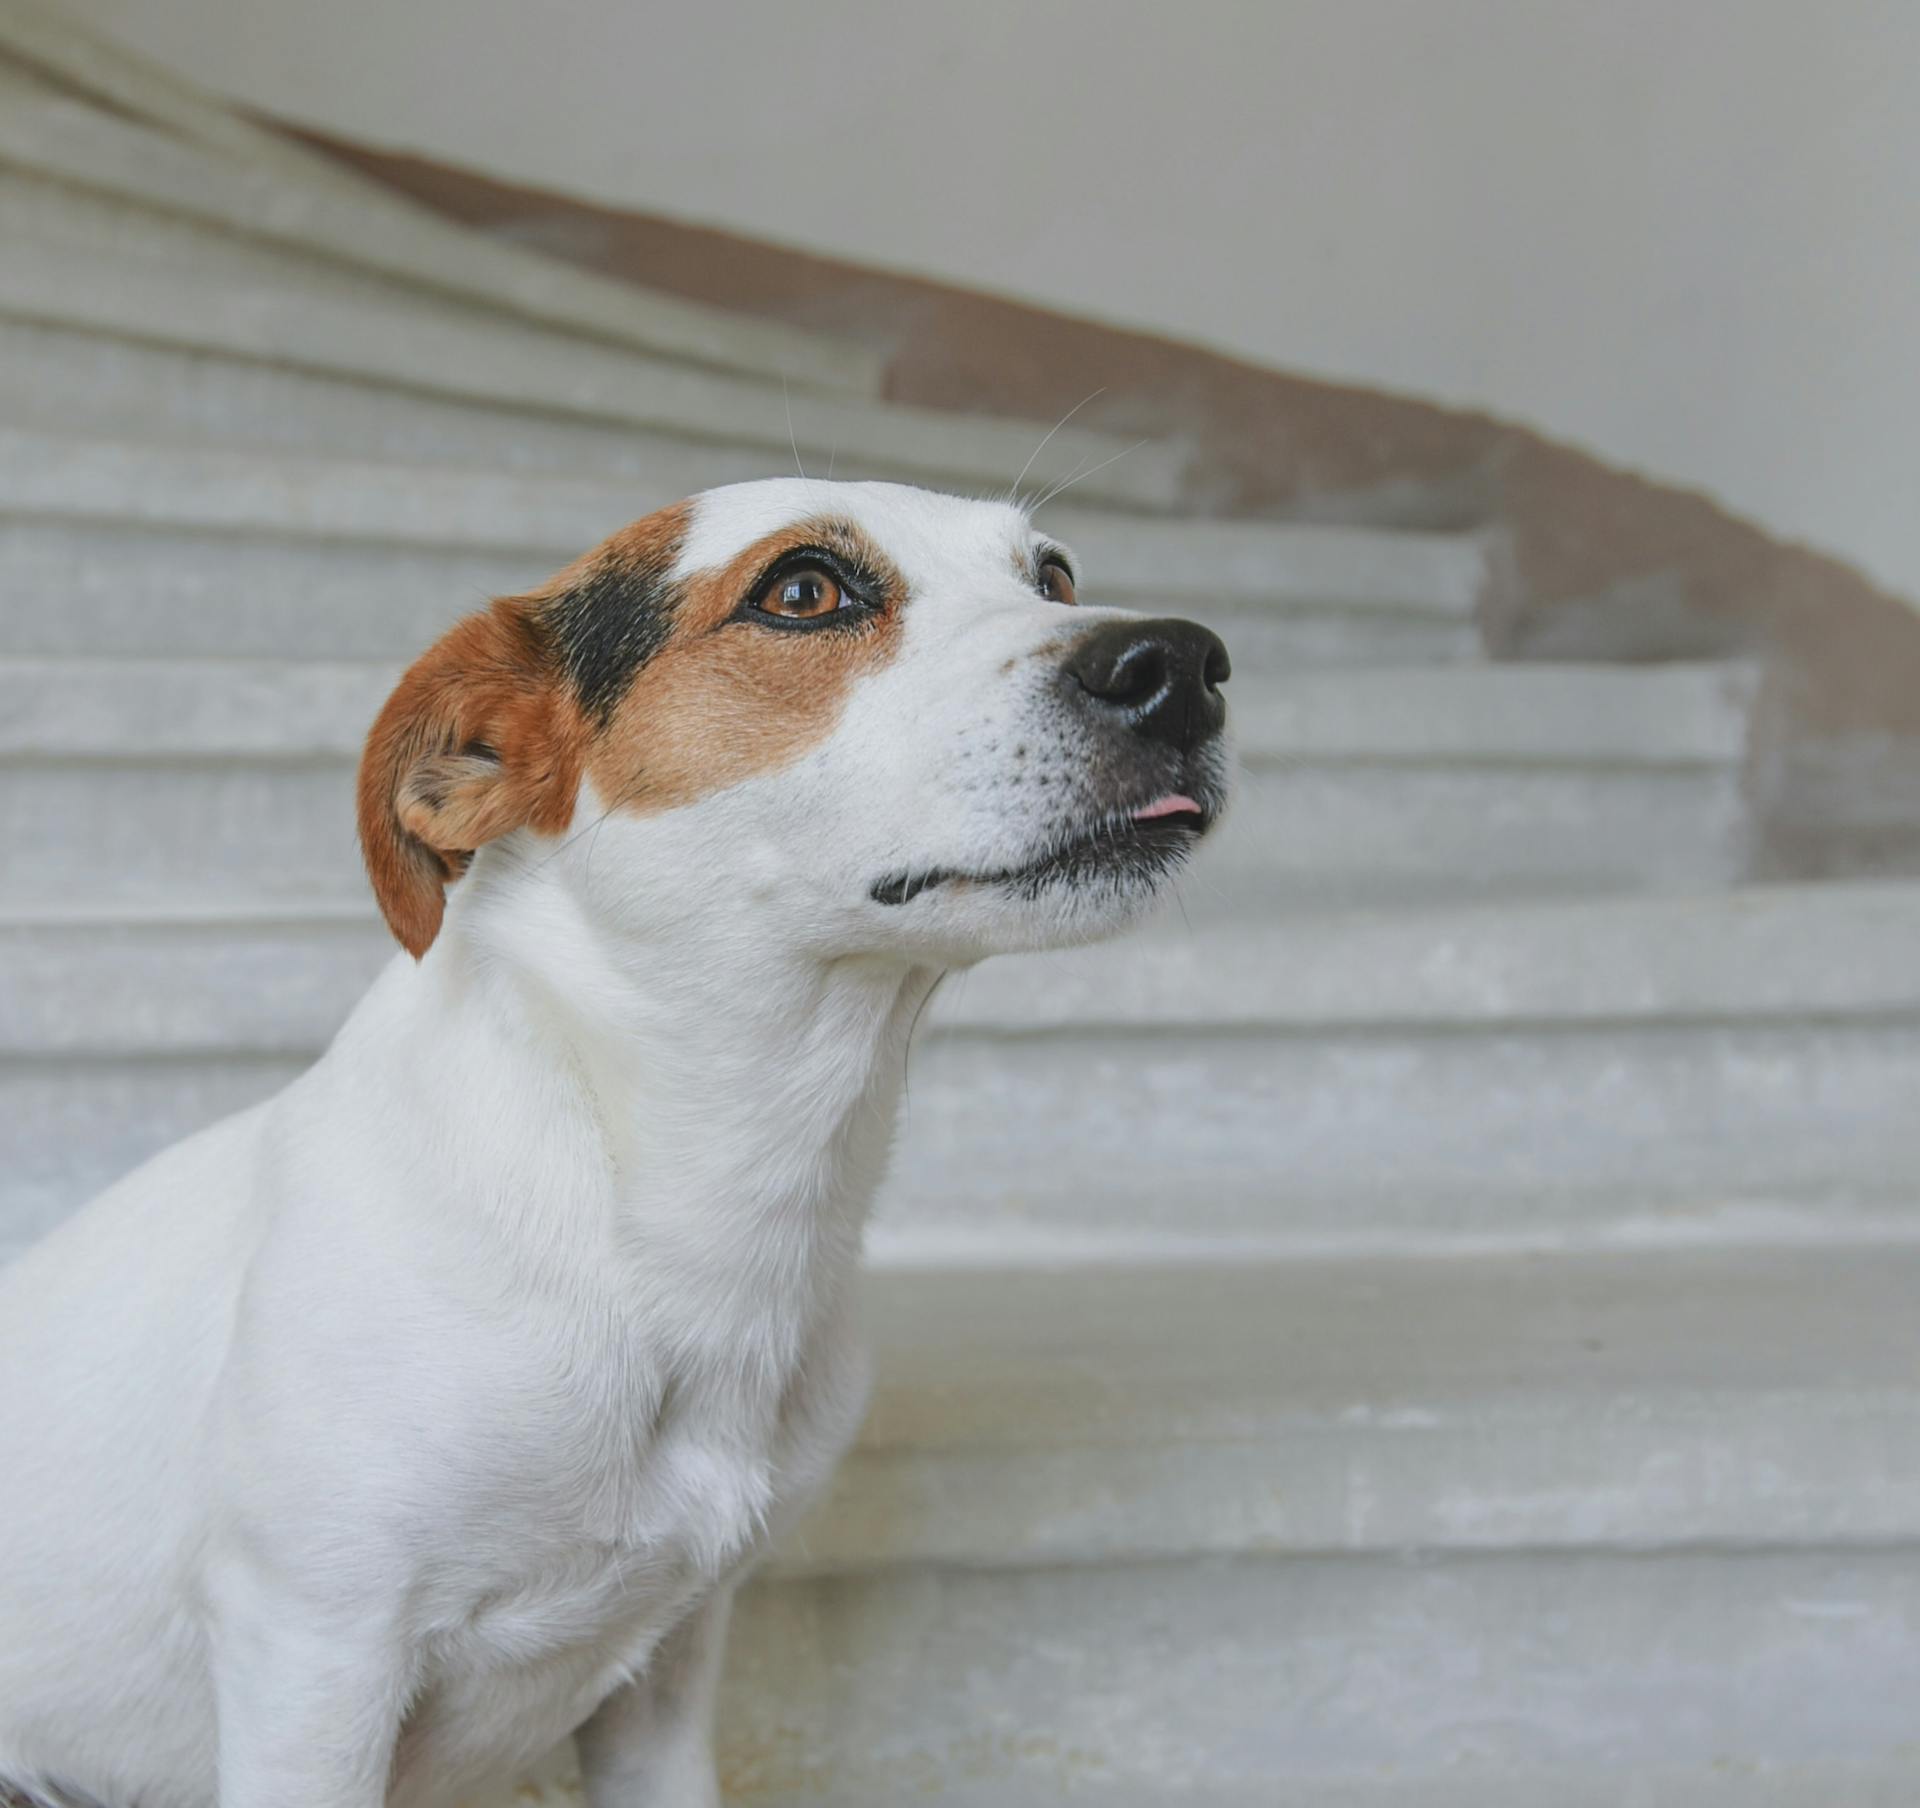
(90,590)
(184,372)
(1667,1681)
(1335,1138)
(1305,836)
(90,222)
(1266,639)
(71,382)
(111,591)
(69,1129)
(1385,1133)
(240,831)
(79,383)
(190,488)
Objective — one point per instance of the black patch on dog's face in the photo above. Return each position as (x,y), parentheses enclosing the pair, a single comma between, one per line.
(611,623)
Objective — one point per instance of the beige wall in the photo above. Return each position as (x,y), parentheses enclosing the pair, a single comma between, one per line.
(1683,232)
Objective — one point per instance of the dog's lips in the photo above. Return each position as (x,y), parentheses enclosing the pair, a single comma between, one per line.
(1149,835)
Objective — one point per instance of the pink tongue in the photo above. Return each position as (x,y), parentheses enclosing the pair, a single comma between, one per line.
(1175,804)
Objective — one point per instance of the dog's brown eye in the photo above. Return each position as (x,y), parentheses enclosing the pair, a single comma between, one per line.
(1056,582)
(803,595)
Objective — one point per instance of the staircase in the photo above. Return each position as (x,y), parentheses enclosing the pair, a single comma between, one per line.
(1434,1323)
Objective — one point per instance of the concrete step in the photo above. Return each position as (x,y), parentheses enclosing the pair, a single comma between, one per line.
(230,591)
(177,550)
(1032,1415)
(1287,596)
(1386,786)
(143,348)
(231,782)
(323,222)
(169,396)
(1650,1069)
(1487,1533)
(1742,1679)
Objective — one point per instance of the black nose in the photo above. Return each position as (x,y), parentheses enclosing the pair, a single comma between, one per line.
(1161,678)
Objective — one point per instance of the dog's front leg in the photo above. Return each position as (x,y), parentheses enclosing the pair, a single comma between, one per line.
(310,1704)
(650,1745)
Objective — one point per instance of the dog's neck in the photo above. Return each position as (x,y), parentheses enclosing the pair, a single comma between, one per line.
(696,1124)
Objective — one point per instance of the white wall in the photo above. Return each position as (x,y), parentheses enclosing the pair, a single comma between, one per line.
(1683,232)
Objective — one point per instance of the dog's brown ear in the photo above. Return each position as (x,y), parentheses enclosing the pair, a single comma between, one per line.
(480,737)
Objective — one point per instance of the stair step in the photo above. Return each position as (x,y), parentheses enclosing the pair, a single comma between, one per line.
(232,780)
(1652,717)
(162,353)
(130,591)
(1040,1415)
(1717,1679)
(1649,1068)
(164,395)
(313,214)
(135,548)
(1579,1530)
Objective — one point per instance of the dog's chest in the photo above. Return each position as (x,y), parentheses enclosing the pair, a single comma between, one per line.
(620,1537)
(619,1552)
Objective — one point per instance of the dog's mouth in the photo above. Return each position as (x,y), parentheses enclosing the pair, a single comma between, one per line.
(1140,844)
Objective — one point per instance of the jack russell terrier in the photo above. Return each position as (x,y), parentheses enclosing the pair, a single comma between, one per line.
(364,1445)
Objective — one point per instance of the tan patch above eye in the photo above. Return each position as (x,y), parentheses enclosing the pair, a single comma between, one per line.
(727,700)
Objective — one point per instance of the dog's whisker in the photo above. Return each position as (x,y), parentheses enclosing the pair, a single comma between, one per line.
(786,398)
(1013,493)
(906,1054)
(1080,476)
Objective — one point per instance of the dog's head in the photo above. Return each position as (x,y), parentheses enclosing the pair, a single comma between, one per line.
(875,715)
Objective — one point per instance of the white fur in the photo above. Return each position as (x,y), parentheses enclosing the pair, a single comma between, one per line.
(375,1439)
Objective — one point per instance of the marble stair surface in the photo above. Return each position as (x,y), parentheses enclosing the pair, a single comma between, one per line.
(1432,1324)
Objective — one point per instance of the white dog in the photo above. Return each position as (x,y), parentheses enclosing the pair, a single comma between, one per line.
(370,1442)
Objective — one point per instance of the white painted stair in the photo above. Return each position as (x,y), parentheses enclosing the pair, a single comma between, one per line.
(1431,1326)
(153,288)
(1489,1533)
(113,546)
(87,177)
(1579,1072)
(148,355)
(226,782)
